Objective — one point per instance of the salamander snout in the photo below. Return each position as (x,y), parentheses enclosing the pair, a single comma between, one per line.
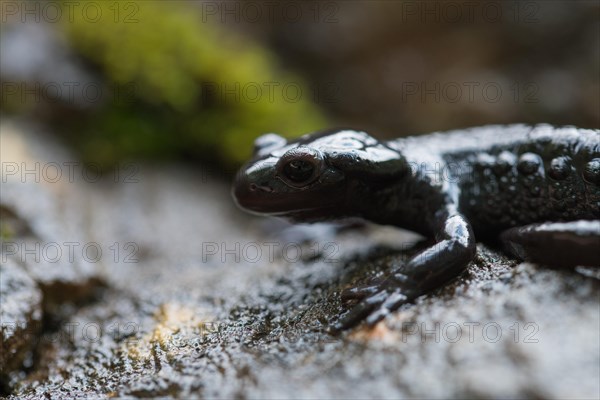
(293,183)
(253,188)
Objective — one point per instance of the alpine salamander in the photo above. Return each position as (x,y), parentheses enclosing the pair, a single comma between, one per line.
(536,188)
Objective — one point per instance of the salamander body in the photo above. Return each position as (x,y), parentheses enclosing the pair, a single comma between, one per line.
(537,188)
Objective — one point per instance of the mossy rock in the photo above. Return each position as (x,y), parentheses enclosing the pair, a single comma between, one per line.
(182,87)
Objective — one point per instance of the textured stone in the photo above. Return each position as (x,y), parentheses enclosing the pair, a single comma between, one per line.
(186,322)
(43,217)
(20,319)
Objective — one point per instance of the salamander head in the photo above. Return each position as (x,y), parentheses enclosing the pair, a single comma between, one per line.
(311,178)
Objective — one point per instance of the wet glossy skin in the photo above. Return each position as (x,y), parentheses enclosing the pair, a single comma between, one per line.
(514,181)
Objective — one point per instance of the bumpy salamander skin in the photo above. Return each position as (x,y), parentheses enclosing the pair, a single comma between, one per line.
(535,187)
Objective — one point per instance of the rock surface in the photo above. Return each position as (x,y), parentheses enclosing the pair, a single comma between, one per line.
(200,301)
(39,233)
(20,313)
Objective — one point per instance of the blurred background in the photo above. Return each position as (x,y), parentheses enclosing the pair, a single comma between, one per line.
(199,80)
(168,96)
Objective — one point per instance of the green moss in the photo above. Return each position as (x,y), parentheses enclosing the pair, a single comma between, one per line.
(177,77)
(6,231)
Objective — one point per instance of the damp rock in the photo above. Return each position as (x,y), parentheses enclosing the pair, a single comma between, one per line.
(21,314)
(43,227)
(193,317)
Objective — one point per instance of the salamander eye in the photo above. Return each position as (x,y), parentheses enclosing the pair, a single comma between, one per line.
(298,170)
(300,166)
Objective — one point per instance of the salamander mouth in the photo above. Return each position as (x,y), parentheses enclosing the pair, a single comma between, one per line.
(262,205)
(264,188)
(264,201)
(285,214)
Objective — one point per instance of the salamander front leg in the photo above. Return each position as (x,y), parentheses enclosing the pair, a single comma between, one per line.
(431,268)
(560,244)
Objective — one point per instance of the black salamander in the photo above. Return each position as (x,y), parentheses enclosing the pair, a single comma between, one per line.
(536,188)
